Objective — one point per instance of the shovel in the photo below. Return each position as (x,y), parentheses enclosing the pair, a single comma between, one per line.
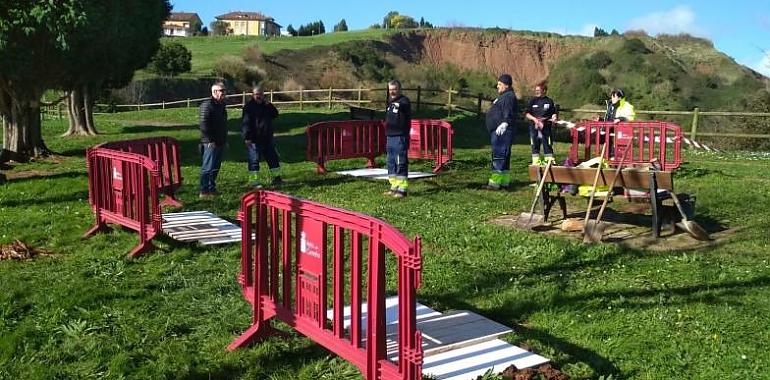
(593,192)
(530,219)
(692,228)
(594,229)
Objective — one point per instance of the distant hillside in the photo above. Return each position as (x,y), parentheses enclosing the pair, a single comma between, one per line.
(663,73)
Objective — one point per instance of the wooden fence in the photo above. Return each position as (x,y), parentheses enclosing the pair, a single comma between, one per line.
(450,99)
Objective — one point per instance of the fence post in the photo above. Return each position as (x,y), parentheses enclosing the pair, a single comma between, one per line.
(359,96)
(419,92)
(271,96)
(162,104)
(449,102)
(694,130)
(188,102)
(139,106)
(243,98)
(330,97)
(300,99)
(478,112)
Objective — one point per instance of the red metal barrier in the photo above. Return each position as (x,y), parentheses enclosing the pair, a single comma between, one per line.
(431,139)
(335,140)
(165,152)
(649,140)
(123,189)
(293,251)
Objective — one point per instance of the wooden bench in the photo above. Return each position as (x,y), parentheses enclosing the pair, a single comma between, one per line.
(630,178)
(361,113)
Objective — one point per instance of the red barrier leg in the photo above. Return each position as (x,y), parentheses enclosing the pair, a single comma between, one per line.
(143,247)
(98,227)
(171,201)
(370,162)
(320,168)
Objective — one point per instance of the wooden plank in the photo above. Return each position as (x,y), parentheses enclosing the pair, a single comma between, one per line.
(629,178)
(473,361)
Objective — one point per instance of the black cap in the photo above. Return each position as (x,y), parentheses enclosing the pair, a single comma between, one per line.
(506,79)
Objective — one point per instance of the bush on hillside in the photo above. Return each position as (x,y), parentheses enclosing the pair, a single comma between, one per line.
(598,60)
(634,46)
(235,69)
(170,60)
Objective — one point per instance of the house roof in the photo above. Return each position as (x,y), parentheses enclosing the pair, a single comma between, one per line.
(182,16)
(245,16)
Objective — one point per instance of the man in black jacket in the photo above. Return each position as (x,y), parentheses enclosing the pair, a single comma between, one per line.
(499,122)
(213,127)
(257,132)
(398,121)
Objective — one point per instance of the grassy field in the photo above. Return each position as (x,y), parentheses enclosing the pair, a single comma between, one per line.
(596,310)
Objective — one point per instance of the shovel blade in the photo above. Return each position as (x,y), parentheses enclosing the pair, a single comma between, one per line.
(593,231)
(694,229)
(529,220)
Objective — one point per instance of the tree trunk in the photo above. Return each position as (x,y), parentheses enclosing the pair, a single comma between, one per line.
(80,109)
(22,136)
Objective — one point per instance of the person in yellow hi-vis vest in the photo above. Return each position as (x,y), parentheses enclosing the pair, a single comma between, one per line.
(618,110)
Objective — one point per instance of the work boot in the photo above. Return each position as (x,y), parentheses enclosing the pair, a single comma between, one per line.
(254,180)
(399,194)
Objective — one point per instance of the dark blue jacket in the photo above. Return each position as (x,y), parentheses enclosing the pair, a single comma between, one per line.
(503,109)
(213,122)
(257,120)
(398,116)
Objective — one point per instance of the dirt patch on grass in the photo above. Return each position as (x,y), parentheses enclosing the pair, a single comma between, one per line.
(28,174)
(544,372)
(155,123)
(20,251)
(630,227)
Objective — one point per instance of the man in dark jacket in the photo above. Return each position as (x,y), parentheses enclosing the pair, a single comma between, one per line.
(398,120)
(213,127)
(542,115)
(499,122)
(257,132)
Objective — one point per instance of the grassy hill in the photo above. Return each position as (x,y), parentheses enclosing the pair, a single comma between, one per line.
(206,50)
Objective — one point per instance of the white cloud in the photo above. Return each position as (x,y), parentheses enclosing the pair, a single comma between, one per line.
(677,20)
(586,30)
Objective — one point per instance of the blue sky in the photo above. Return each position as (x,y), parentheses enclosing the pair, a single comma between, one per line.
(739,28)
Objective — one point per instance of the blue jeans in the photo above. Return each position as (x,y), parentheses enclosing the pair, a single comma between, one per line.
(396,149)
(212,161)
(501,151)
(546,139)
(262,149)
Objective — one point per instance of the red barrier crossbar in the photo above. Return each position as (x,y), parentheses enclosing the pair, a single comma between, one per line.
(123,189)
(299,249)
(335,140)
(649,141)
(165,152)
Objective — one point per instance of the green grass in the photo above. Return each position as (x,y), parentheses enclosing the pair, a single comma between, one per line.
(90,312)
(207,50)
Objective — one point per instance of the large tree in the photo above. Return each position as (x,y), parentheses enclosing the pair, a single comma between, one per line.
(117,38)
(35,37)
(78,46)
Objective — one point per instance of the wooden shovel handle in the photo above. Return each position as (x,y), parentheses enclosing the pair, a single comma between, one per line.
(596,182)
(540,186)
(612,183)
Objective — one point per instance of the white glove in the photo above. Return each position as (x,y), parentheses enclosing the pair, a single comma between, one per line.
(501,128)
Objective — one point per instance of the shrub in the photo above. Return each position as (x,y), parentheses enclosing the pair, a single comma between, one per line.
(598,60)
(171,59)
(634,46)
(236,70)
